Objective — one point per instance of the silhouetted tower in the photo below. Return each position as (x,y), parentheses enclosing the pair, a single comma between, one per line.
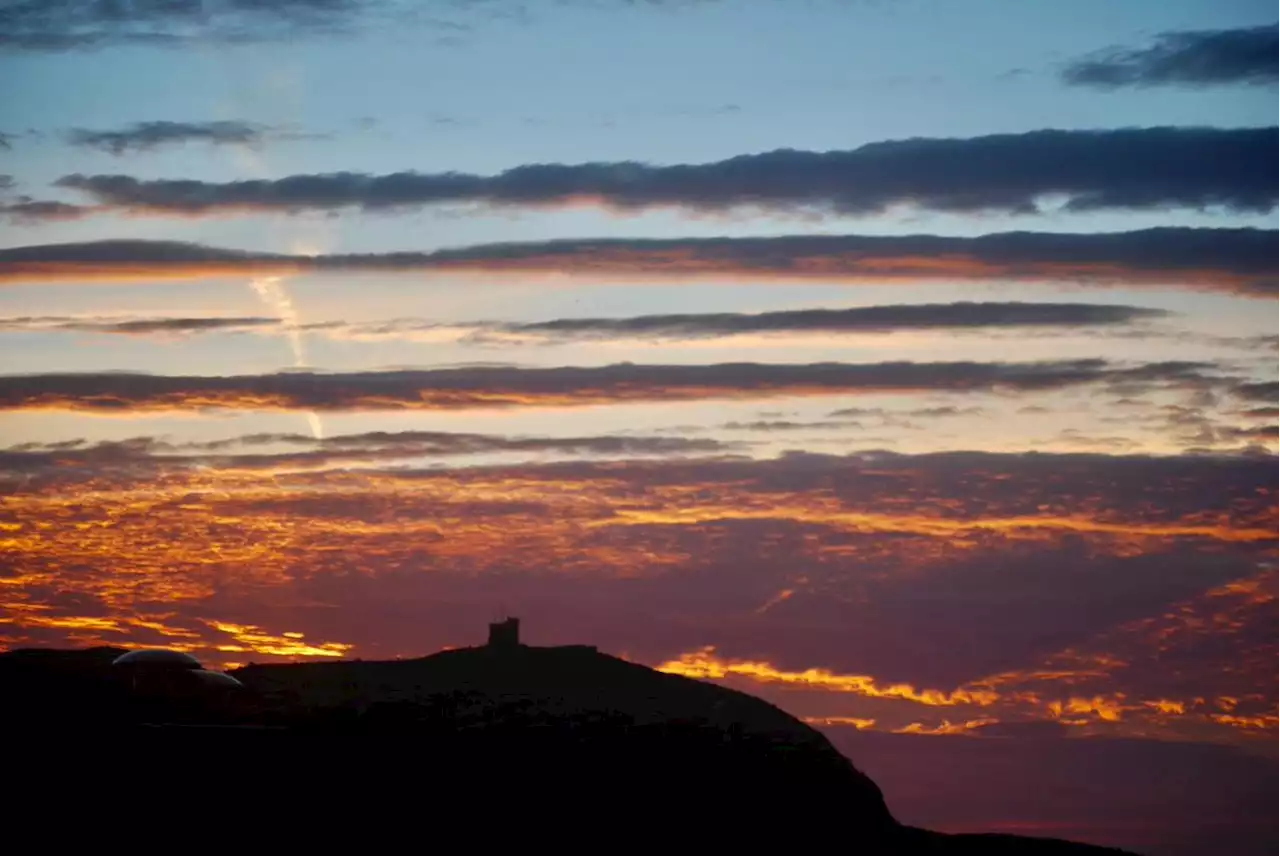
(505,634)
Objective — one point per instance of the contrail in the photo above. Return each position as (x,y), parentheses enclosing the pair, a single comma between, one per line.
(271,290)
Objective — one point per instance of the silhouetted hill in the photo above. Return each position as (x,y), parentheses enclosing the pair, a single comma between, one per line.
(591,749)
(471,686)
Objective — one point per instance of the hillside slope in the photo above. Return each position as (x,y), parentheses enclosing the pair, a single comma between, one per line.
(561,742)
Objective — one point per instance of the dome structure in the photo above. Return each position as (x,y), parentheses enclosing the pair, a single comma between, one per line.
(173,677)
(157,658)
(217,680)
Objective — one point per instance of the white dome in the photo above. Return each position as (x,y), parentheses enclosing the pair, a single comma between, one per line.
(158,658)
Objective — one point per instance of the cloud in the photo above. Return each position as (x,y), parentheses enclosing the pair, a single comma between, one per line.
(868,319)
(147,136)
(770,425)
(1199,426)
(136,326)
(854,418)
(1260,434)
(61,25)
(66,25)
(26,211)
(1238,261)
(1042,587)
(1245,56)
(1263,392)
(21,209)
(149,455)
(936,412)
(135,258)
(1127,169)
(463,388)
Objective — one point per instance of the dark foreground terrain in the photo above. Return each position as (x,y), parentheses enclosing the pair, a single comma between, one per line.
(546,747)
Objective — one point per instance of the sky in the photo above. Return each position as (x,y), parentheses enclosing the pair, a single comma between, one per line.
(911,364)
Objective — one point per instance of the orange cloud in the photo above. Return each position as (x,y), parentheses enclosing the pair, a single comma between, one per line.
(859,723)
(704,664)
(237,564)
(825,512)
(250,639)
(1264,723)
(946,727)
(1106,709)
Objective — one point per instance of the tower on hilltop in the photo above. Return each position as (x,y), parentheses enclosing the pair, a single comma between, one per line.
(505,634)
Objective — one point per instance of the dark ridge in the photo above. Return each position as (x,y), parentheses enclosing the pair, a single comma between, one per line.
(563,746)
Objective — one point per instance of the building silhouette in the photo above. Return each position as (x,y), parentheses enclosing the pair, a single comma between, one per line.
(505,634)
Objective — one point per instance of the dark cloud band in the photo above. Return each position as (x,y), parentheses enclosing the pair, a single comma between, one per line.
(70,25)
(1241,261)
(146,136)
(1141,168)
(867,319)
(269,451)
(1245,56)
(26,211)
(137,326)
(489,387)
(1265,392)
(63,25)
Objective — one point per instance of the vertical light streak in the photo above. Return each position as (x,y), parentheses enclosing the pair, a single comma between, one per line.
(272,292)
(282,84)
